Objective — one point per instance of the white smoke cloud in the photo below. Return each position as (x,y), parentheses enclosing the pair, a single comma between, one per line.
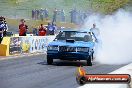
(116,35)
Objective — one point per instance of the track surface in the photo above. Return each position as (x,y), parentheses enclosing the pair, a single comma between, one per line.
(33,72)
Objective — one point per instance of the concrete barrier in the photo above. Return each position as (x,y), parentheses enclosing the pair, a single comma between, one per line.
(4,46)
(3,51)
(124,70)
(39,44)
(24,44)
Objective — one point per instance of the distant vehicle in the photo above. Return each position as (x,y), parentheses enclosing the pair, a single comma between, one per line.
(71,45)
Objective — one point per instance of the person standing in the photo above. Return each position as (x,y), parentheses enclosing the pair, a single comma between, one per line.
(23,28)
(41,14)
(37,14)
(46,13)
(62,13)
(79,20)
(1,28)
(95,32)
(73,14)
(50,29)
(42,30)
(33,14)
(35,31)
(55,29)
(55,15)
(5,27)
(81,17)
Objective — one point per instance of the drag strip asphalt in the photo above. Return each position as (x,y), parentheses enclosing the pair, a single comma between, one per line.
(33,72)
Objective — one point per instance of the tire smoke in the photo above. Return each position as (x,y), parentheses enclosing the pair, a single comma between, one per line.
(116,36)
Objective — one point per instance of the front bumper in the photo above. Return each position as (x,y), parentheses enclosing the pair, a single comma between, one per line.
(67,55)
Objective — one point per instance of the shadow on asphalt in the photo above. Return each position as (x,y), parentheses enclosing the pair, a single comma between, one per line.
(66,63)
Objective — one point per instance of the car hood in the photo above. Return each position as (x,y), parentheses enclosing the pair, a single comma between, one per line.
(75,44)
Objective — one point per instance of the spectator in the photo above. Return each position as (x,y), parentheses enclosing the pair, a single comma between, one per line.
(22,28)
(41,14)
(50,29)
(42,30)
(81,17)
(73,14)
(62,13)
(97,38)
(1,28)
(35,31)
(55,15)
(33,14)
(55,29)
(46,13)
(37,14)
(5,27)
(95,32)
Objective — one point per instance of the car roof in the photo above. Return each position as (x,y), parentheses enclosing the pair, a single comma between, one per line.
(73,30)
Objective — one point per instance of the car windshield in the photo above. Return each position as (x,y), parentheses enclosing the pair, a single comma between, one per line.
(77,36)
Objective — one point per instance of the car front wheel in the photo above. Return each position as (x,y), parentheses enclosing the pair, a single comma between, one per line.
(49,61)
(89,63)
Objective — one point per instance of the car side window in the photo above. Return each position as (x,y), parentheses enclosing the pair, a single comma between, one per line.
(87,38)
(60,36)
(63,34)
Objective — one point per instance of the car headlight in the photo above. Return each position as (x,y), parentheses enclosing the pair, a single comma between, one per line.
(82,49)
(52,48)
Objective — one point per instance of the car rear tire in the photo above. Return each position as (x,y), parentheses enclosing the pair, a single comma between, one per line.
(89,63)
(49,61)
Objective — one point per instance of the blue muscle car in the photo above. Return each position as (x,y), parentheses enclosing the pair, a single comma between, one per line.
(71,45)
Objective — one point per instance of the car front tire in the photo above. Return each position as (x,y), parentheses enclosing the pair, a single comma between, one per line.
(49,61)
(89,63)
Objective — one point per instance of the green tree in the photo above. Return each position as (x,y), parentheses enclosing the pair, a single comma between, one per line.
(108,6)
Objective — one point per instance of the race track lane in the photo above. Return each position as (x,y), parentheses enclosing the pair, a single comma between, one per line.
(33,72)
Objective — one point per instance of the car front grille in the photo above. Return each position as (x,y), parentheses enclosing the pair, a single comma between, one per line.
(67,49)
